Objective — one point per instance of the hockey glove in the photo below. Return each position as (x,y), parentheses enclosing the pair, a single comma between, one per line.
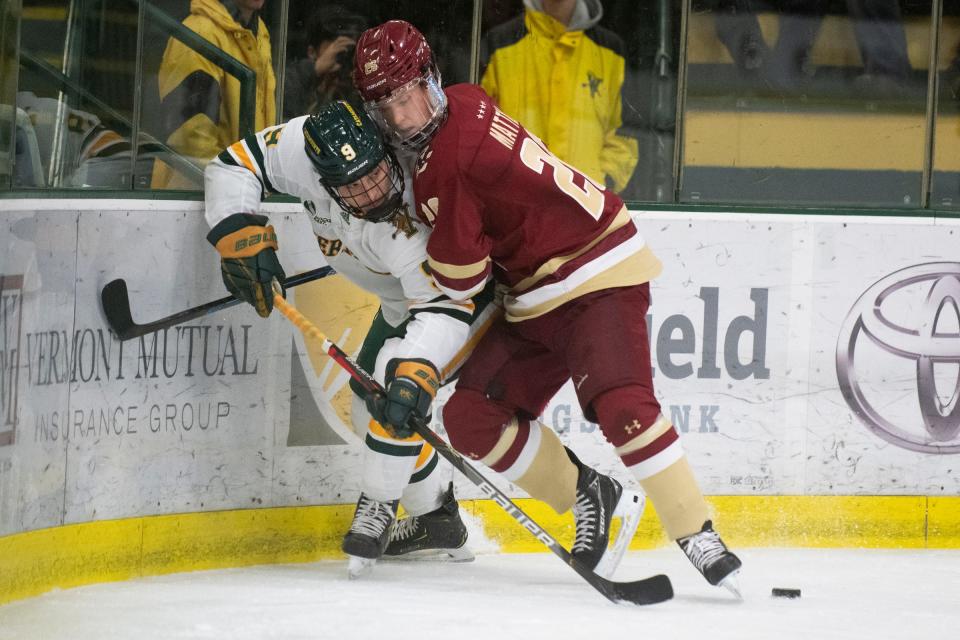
(411,386)
(248,259)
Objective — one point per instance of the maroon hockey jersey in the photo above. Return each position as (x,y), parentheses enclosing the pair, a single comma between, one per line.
(503,206)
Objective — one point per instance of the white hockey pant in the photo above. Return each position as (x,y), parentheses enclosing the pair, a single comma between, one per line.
(407,469)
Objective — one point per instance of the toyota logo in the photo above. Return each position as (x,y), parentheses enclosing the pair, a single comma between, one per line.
(922,342)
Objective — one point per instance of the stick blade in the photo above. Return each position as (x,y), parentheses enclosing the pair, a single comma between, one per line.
(116,307)
(647,591)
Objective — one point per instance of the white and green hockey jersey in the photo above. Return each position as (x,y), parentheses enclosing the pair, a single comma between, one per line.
(388,259)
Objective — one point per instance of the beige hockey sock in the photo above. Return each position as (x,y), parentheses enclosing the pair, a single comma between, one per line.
(550,475)
(676,496)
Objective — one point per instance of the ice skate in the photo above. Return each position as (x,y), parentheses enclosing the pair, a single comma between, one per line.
(368,534)
(600,499)
(712,558)
(439,534)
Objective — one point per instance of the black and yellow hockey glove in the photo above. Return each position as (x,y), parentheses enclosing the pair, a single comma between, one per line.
(411,387)
(249,263)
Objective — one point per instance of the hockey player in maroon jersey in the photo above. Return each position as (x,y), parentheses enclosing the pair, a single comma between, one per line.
(576,272)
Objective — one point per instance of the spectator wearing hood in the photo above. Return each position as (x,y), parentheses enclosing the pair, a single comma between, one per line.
(199,100)
(561,74)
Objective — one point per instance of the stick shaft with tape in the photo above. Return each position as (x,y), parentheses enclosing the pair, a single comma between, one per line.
(339,356)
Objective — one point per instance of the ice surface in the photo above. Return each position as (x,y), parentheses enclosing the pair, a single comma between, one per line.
(849,594)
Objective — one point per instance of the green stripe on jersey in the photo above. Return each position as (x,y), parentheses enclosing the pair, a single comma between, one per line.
(254,145)
(392,449)
(427,469)
(462,316)
(227,158)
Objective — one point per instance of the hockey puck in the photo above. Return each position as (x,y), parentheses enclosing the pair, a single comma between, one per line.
(785,593)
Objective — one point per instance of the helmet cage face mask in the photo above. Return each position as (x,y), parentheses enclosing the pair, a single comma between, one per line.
(376,196)
(420,102)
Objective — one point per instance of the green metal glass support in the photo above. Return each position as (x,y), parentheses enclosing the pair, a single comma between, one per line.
(73,88)
(933,99)
(663,107)
(475,42)
(9,35)
(679,132)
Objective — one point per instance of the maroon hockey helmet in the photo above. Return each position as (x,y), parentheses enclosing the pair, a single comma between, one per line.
(388,57)
(397,77)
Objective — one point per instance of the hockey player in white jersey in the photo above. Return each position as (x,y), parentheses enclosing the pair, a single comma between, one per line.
(354,189)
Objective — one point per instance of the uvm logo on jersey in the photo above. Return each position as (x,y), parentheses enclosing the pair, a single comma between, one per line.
(10,315)
(905,330)
(321,399)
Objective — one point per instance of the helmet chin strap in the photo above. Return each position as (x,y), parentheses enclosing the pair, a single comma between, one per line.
(385,211)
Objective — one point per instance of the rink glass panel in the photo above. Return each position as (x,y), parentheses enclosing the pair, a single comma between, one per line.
(447,26)
(945,180)
(8,89)
(741,136)
(76,85)
(788,114)
(646,35)
(161,163)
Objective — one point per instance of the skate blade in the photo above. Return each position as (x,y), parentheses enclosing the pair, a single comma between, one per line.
(358,567)
(732,584)
(461,554)
(629,509)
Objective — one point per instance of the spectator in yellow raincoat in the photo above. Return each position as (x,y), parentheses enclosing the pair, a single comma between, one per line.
(200,102)
(560,75)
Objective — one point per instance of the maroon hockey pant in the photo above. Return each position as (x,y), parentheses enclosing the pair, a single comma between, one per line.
(600,340)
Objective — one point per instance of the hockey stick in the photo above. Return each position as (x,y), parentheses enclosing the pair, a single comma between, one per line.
(116,306)
(647,591)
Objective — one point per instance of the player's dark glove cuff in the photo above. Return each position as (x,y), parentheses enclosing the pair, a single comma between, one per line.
(411,387)
(377,406)
(251,279)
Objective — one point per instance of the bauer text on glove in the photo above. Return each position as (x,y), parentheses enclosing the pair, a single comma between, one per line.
(249,264)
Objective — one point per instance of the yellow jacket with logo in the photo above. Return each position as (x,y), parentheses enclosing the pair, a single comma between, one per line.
(200,102)
(564,86)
